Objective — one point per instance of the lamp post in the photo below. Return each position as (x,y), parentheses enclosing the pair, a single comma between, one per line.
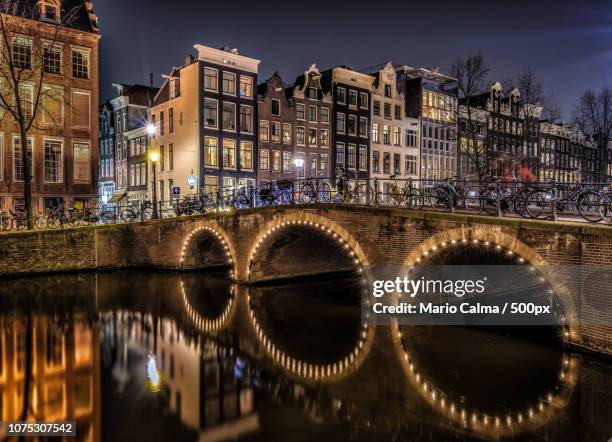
(154,157)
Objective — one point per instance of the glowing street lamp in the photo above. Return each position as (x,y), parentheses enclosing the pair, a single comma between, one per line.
(151,129)
(299,164)
(154,157)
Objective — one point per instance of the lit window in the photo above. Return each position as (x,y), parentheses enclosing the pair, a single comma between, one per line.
(211,113)
(80,63)
(246,86)
(22,53)
(246,119)
(53,162)
(229,83)
(246,155)
(210,79)
(210,151)
(229,153)
(52,59)
(264,130)
(229,116)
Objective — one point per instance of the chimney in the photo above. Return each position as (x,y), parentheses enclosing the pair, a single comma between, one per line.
(189,59)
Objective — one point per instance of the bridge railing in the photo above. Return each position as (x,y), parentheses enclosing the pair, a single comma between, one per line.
(495,196)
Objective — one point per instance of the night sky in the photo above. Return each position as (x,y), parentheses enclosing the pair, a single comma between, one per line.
(567,42)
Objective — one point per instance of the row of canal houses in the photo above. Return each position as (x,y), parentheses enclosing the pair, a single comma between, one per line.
(218,128)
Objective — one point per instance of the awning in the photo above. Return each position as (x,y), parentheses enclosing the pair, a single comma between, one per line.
(117,196)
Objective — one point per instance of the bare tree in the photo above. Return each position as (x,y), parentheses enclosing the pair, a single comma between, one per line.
(473,139)
(593,115)
(26,60)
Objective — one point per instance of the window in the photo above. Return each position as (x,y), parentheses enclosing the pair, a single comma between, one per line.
(299,136)
(410,138)
(52,59)
(411,165)
(162,158)
(324,115)
(175,87)
(286,133)
(276,107)
(398,112)
(80,63)
(246,86)
(376,161)
(276,161)
(352,125)
(387,90)
(162,123)
(229,83)
(246,155)
(211,113)
(387,111)
(396,136)
(22,53)
(210,79)
(397,158)
(81,157)
(143,174)
(386,135)
(27,100)
(229,153)
(352,98)
(352,156)
(387,163)
(211,184)
(50,12)
(170,156)
(363,127)
(363,157)
(312,114)
(312,93)
(210,152)
(18,172)
(341,95)
(264,160)
(340,154)
(324,159)
(131,178)
(340,122)
(246,119)
(229,116)
(312,137)
(54,161)
(286,162)
(229,183)
(275,132)
(171,120)
(324,138)
(300,112)
(363,100)
(376,108)
(375,133)
(264,130)
(312,161)
(52,106)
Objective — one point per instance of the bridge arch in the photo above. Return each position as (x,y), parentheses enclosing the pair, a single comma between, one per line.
(494,238)
(207,245)
(330,229)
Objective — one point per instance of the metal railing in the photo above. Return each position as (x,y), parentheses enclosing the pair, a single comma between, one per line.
(498,197)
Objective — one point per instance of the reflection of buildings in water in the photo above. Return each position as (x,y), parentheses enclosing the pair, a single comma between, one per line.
(206,386)
(65,374)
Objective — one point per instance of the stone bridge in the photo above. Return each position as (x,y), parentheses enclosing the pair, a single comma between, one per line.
(261,245)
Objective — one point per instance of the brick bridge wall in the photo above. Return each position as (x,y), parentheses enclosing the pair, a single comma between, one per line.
(375,236)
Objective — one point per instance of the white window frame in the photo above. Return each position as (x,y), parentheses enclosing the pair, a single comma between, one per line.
(216,79)
(62,156)
(216,126)
(18,137)
(233,94)
(345,96)
(87,53)
(82,92)
(235,129)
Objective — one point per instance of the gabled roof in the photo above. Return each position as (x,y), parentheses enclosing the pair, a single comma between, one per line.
(84,17)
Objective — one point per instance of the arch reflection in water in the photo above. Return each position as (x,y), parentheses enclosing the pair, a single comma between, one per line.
(480,378)
(208,300)
(312,329)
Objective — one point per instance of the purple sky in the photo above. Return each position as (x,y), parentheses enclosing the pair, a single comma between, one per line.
(568,43)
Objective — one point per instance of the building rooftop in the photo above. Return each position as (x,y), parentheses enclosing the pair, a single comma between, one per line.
(82,14)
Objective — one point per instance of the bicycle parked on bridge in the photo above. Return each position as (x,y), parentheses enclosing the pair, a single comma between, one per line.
(314,190)
(396,196)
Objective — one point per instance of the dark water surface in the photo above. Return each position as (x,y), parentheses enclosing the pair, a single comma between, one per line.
(166,357)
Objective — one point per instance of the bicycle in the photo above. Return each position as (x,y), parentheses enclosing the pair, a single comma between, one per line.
(19,220)
(314,190)
(352,192)
(6,222)
(144,212)
(448,197)
(511,195)
(59,217)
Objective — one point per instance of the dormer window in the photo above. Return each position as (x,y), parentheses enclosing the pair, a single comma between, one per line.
(50,10)
(175,87)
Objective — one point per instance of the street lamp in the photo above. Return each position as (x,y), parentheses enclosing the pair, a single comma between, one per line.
(299,164)
(154,157)
(151,129)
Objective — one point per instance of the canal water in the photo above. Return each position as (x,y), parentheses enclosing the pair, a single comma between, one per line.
(133,356)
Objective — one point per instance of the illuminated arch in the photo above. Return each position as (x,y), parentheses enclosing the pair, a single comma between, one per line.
(214,230)
(320,223)
(204,324)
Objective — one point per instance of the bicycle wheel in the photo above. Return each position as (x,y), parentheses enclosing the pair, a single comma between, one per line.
(589,205)
(307,194)
(108,217)
(53,222)
(472,201)
(489,202)
(441,200)
(20,223)
(128,215)
(605,207)
(242,202)
(539,204)
(6,223)
(324,195)
(146,213)
(414,199)
(364,194)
